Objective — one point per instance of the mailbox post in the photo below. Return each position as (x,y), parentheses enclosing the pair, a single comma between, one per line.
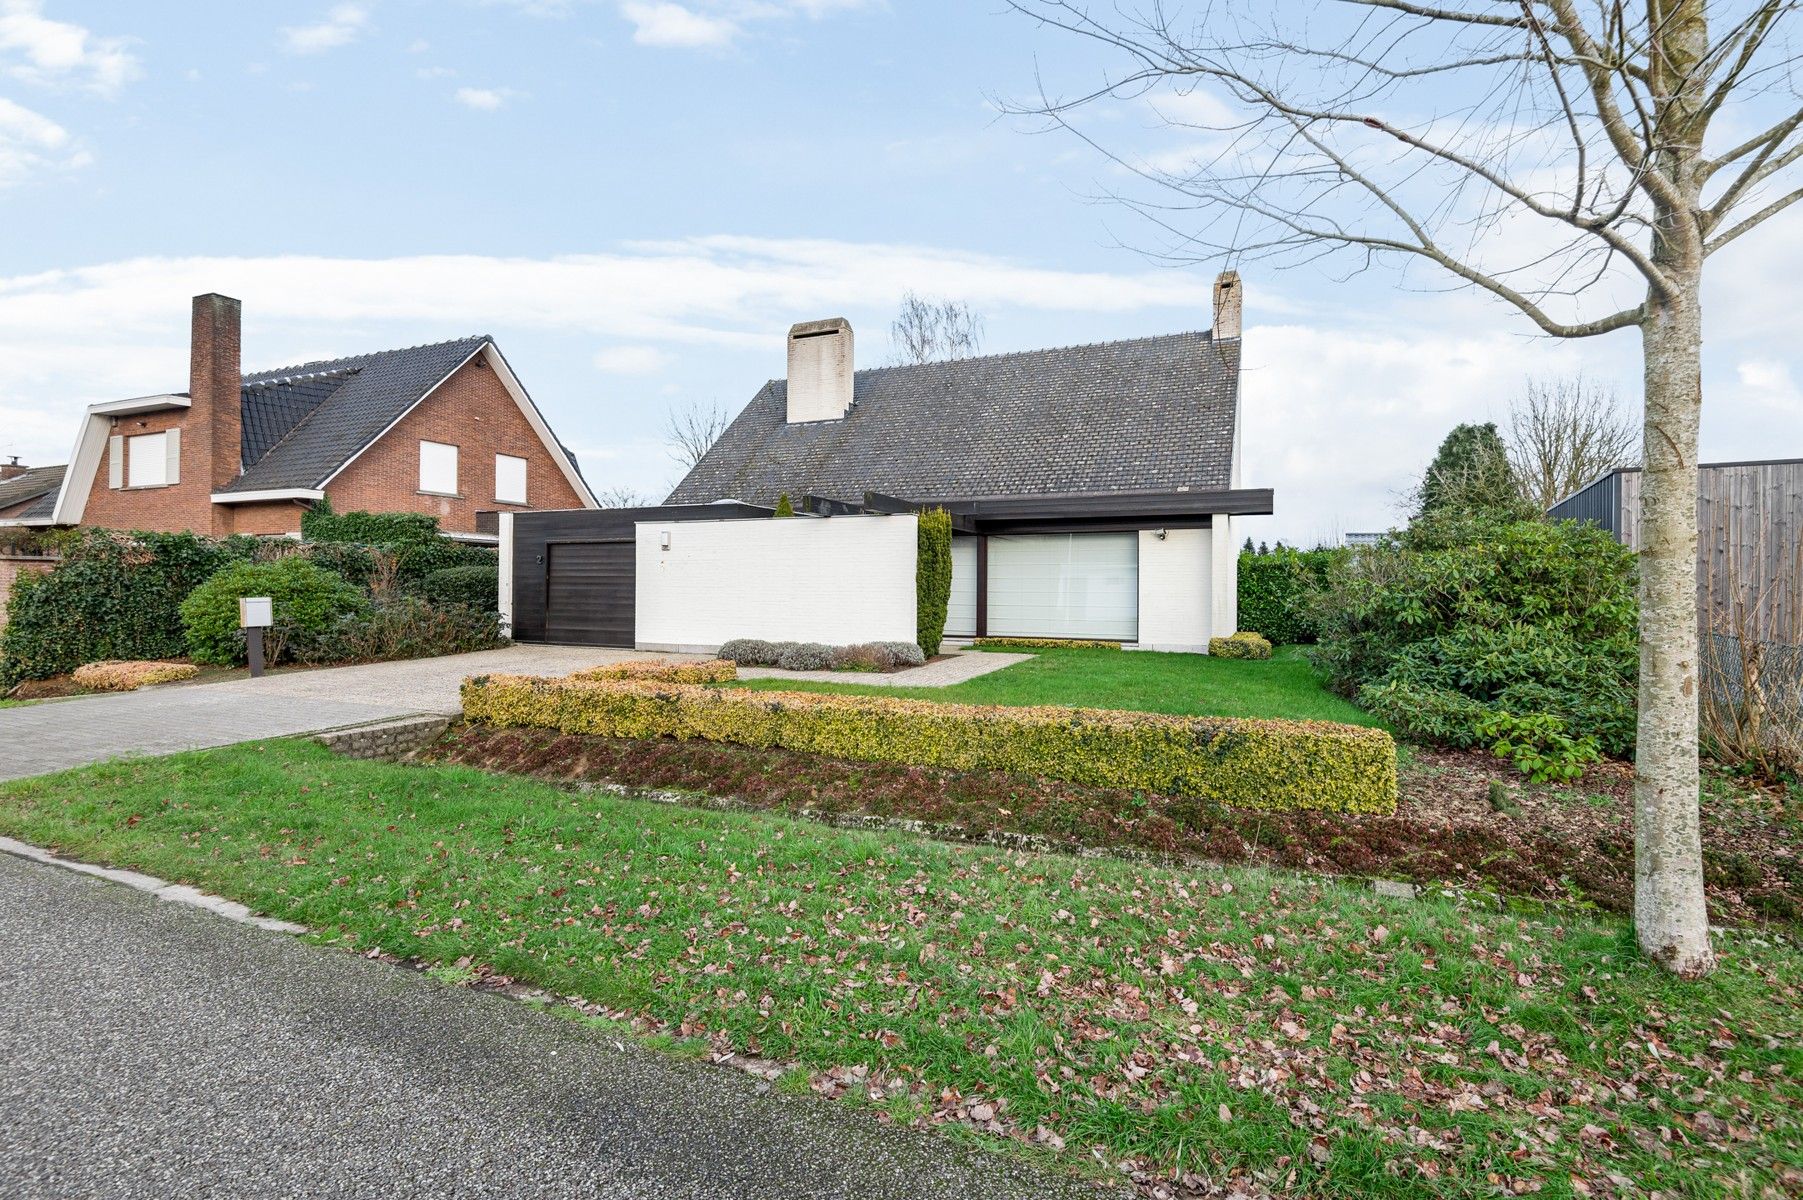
(255,614)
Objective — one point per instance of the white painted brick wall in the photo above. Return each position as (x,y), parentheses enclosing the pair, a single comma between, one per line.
(838,580)
(1174,590)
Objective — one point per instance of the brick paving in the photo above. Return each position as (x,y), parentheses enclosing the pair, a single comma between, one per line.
(53,736)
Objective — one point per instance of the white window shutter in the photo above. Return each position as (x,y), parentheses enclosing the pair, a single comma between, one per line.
(115,461)
(172,443)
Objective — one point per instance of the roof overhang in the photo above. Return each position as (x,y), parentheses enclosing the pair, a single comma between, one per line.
(1118,506)
(268,495)
(141,404)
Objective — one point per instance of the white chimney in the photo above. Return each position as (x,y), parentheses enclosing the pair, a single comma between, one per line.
(1227,306)
(820,370)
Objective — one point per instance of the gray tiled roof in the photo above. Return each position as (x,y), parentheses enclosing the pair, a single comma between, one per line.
(308,428)
(37,485)
(1151,414)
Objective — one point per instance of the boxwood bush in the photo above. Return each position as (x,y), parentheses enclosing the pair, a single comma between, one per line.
(308,600)
(1243,763)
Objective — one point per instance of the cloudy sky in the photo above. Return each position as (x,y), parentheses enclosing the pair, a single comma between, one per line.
(637,197)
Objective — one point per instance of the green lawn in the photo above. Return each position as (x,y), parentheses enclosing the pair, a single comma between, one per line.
(1182,684)
(1329,1041)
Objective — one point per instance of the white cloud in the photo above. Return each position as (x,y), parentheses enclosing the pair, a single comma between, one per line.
(716,24)
(343,24)
(631,360)
(484,99)
(31,142)
(661,23)
(56,52)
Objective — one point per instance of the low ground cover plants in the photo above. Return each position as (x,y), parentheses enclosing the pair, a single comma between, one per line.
(817,656)
(130,676)
(1213,1029)
(1261,764)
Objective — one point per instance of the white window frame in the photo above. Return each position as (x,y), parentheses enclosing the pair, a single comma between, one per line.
(147,460)
(433,468)
(504,493)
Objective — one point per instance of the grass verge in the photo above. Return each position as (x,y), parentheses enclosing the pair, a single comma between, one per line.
(1210,1027)
(1196,685)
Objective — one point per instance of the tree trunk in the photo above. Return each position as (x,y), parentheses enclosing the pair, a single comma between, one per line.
(1670,917)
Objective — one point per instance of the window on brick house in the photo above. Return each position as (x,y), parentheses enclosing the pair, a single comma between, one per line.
(510,479)
(147,460)
(438,468)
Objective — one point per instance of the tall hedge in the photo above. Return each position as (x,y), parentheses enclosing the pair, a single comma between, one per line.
(1279,589)
(322,524)
(933,578)
(112,596)
(1273,765)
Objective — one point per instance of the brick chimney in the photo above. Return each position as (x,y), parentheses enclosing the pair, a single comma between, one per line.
(215,422)
(1227,306)
(13,469)
(820,370)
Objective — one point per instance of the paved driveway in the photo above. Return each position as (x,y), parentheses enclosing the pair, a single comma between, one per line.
(151,1049)
(40,738)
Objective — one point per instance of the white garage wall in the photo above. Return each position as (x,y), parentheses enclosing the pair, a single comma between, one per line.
(837,580)
(1174,590)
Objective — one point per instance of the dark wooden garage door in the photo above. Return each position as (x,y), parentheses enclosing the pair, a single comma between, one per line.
(589,593)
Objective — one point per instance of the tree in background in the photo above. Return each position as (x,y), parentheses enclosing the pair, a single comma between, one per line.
(934,330)
(1564,434)
(692,431)
(1470,475)
(620,496)
(1555,155)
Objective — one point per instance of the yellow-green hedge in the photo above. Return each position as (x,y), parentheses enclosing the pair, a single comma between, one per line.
(124,675)
(1243,644)
(1243,763)
(716,670)
(1042,643)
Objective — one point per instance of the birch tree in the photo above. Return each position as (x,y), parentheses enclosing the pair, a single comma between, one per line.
(1580,161)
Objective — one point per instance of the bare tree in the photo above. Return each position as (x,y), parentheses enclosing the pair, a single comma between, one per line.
(934,330)
(620,496)
(1579,162)
(692,431)
(1563,434)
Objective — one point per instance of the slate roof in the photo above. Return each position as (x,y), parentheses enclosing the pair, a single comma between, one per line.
(1148,415)
(36,489)
(302,423)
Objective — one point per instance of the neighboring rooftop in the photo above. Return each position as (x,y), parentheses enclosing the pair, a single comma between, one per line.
(302,423)
(1146,415)
(35,488)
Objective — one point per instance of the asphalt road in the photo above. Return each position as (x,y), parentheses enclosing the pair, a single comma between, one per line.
(148,1049)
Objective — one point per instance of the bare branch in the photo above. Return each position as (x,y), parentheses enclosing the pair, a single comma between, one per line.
(692,431)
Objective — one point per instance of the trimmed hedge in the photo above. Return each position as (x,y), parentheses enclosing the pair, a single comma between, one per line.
(716,670)
(1279,592)
(1037,643)
(933,579)
(1273,765)
(476,586)
(1243,644)
(130,676)
(321,524)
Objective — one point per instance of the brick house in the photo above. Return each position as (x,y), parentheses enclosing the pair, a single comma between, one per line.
(444,429)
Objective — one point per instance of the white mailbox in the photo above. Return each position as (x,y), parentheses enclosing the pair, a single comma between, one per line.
(255,612)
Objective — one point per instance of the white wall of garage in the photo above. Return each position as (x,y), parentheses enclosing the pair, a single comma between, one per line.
(836,580)
(1175,591)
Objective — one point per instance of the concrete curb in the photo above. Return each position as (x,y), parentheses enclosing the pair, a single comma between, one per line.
(175,893)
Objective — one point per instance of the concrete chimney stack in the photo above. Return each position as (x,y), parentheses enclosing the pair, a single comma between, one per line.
(1227,306)
(820,370)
